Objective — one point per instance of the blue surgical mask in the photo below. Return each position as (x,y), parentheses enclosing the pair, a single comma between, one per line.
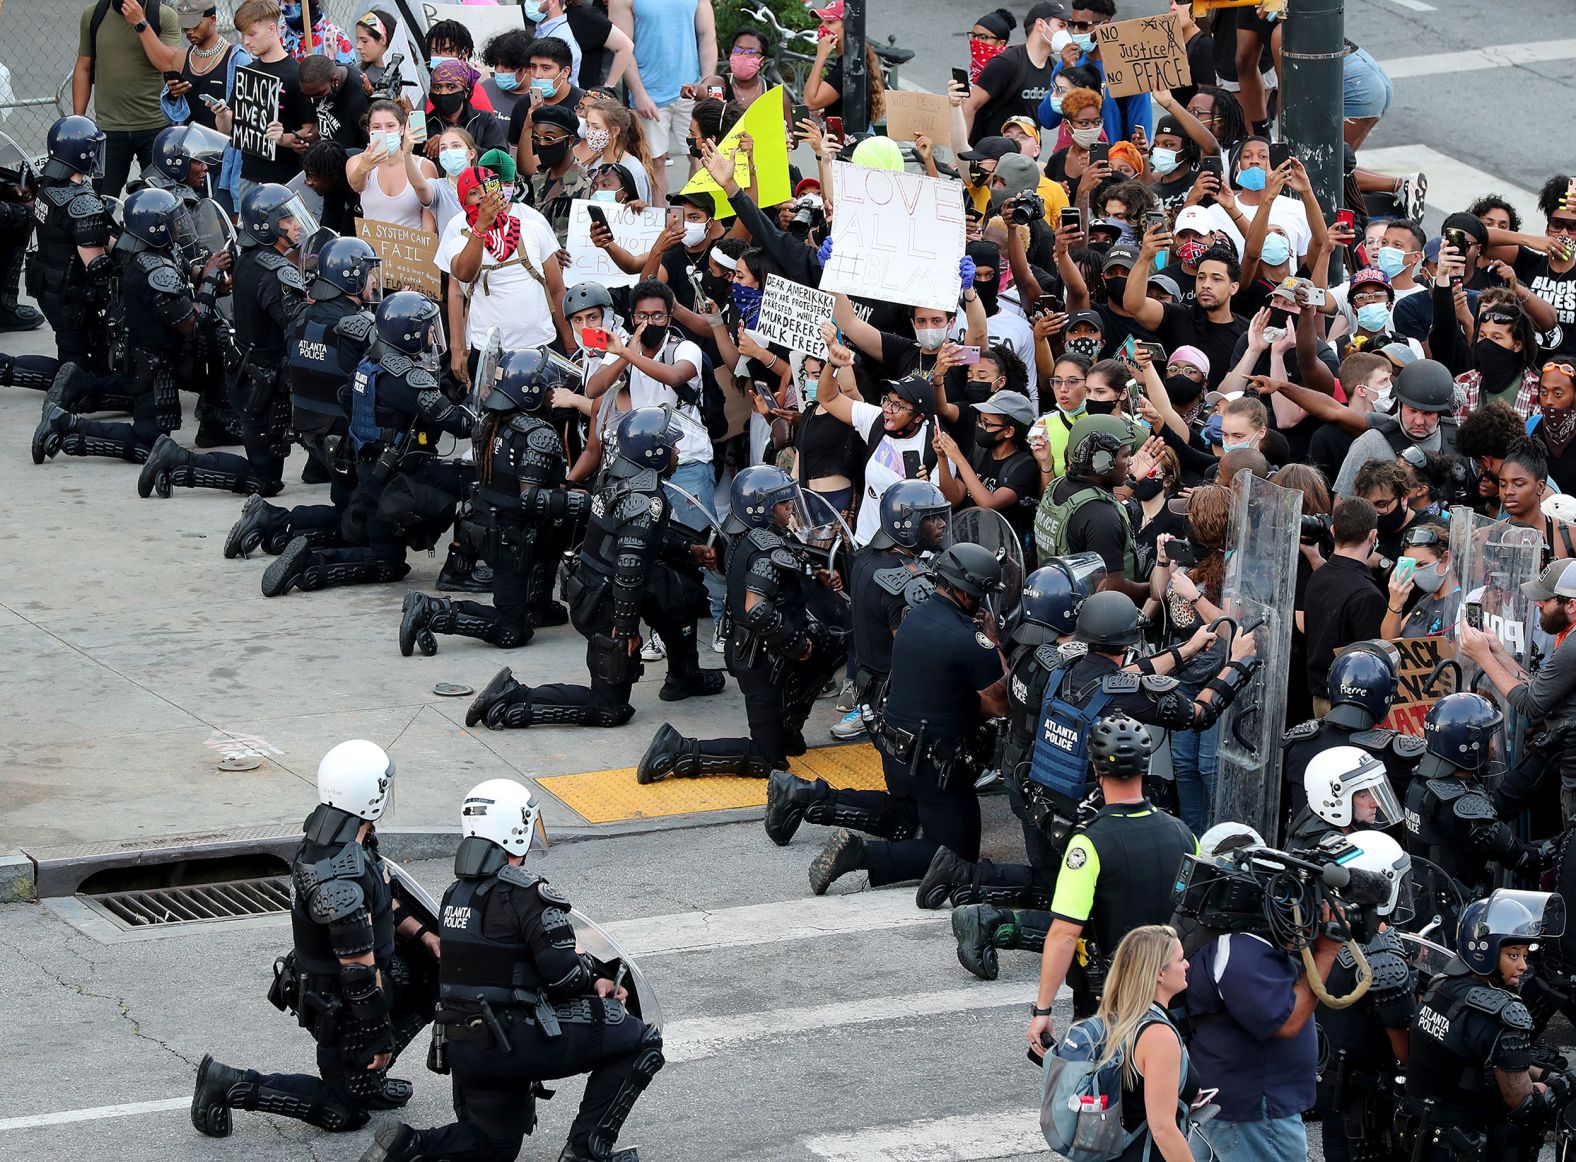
(1162,260)
(1275,250)
(1084,41)
(507,82)
(434,62)
(453,161)
(1163,161)
(1246,446)
(808,386)
(1056,104)
(1374,317)
(535,13)
(393,142)
(544,86)
(606,197)
(1251,178)
(1391,260)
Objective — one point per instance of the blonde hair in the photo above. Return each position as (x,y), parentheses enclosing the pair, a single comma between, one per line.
(1130,992)
(627,136)
(252,12)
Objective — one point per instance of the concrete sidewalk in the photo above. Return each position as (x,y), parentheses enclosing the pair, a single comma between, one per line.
(138,657)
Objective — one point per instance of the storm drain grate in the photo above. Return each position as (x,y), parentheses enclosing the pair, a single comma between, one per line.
(193,903)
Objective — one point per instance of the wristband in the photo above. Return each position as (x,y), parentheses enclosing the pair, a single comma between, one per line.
(1036,1011)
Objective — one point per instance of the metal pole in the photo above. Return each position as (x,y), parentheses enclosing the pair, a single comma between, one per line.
(1311,99)
(856,74)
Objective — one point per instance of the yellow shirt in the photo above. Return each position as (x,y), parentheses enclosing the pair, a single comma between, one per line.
(1052,193)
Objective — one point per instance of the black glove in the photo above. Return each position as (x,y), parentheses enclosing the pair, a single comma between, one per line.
(1561,1090)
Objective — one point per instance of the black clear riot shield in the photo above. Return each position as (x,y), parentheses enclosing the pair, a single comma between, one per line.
(1258,592)
(1427,956)
(211,232)
(826,534)
(16,168)
(989,529)
(487,366)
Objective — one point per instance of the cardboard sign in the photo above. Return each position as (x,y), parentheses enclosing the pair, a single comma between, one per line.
(409,257)
(635,232)
(1143,55)
(792,314)
(896,236)
(256,106)
(1419,656)
(910,114)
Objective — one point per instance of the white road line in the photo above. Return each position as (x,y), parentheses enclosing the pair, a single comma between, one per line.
(773,923)
(1415,5)
(1492,56)
(1452,185)
(93,1114)
(695,1040)
(967,1138)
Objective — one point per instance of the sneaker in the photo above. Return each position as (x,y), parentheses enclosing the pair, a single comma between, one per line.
(653,650)
(851,727)
(718,642)
(845,697)
(1411,196)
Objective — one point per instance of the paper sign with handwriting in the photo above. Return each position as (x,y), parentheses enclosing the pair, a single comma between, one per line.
(792,314)
(1143,55)
(895,236)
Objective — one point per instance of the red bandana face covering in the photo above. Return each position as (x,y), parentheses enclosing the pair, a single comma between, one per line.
(504,237)
(981,54)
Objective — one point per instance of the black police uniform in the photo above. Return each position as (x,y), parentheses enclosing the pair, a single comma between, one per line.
(16,231)
(268,292)
(929,732)
(517,1008)
(1355,1081)
(341,907)
(632,565)
(885,584)
(73,297)
(1398,752)
(1465,1029)
(1452,823)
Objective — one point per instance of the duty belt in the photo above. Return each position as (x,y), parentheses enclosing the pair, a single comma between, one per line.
(1427,1124)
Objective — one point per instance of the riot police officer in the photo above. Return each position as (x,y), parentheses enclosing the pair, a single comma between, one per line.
(1471,1088)
(621,577)
(1365,1043)
(1363,683)
(523,489)
(1450,819)
(890,577)
(1345,787)
(160,314)
(518,1005)
(405,495)
(947,680)
(780,653)
(326,342)
(339,978)
(183,157)
(18,193)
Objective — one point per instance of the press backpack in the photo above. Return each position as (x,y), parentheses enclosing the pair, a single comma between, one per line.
(1081,1106)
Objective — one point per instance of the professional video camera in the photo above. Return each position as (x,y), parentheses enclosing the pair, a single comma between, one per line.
(1317,529)
(389,87)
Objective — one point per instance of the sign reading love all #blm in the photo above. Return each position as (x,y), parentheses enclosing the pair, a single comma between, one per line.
(896,236)
(256,107)
(792,314)
(1143,55)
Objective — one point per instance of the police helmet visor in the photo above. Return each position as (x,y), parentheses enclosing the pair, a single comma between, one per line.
(489,365)
(203,144)
(184,241)
(308,246)
(214,230)
(15,167)
(1085,570)
(1380,649)
(298,223)
(372,285)
(1374,804)
(1525,916)
(816,522)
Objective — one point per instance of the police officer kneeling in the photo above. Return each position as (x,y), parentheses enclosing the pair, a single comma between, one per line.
(1471,1089)
(519,1006)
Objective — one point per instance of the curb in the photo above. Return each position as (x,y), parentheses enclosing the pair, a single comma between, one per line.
(17,878)
(408,844)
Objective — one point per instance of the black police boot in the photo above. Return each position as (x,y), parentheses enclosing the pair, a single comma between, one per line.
(49,434)
(571,1154)
(946,872)
(213,433)
(974,927)
(288,569)
(551,614)
(305,567)
(496,695)
(837,858)
(32,371)
(313,472)
(787,796)
(671,754)
(460,574)
(71,385)
(414,623)
(689,683)
(211,1097)
(395,1143)
(156,471)
(261,525)
(396,1095)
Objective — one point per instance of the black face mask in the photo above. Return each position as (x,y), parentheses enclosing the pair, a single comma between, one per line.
(653,337)
(976,392)
(1115,288)
(1500,365)
(988,296)
(978,176)
(988,439)
(694,146)
(1182,391)
(1101,407)
(717,289)
(1148,488)
(447,104)
(1391,522)
(552,155)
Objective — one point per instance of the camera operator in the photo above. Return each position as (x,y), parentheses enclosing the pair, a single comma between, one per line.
(1472,1090)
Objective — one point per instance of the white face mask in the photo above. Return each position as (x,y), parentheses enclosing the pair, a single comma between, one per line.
(930,338)
(694,234)
(1087,137)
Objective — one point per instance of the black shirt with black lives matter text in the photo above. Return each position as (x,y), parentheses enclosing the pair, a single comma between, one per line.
(1016,88)
(1556,289)
(342,115)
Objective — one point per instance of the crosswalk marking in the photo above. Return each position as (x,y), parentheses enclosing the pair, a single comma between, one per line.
(1415,5)
(95,1113)
(1452,185)
(1490,56)
(965,1138)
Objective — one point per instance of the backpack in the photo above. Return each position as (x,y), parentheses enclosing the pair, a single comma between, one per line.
(710,400)
(1081,1106)
(150,13)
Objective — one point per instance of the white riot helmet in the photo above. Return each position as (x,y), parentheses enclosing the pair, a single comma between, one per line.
(502,812)
(1335,777)
(1217,844)
(358,777)
(1379,853)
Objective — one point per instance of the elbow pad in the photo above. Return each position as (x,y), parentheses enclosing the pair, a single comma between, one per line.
(1537,1109)
(762,618)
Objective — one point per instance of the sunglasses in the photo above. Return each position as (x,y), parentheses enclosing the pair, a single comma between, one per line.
(1424,537)
(1562,368)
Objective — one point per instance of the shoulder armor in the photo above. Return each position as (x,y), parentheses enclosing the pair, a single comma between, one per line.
(335,900)
(1408,746)
(396,362)
(420,379)
(893,580)
(290,278)
(1158,683)
(1375,739)
(1301,732)
(551,895)
(85,205)
(165,279)
(1121,682)
(1049,656)
(1474,807)
(518,876)
(765,539)
(541,438)
(1498,1003)
(783,557)
(60,196)
(357,326)
(521,423)
(1391,971)
(270,259)
(634,506)
(1447,790)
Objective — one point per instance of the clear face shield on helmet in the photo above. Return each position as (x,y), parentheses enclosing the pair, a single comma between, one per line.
(489,365)
(1524,916)
(203,144)
(15,167)
(213,230)
(1374,804)
(1086,570)
(298,224)
(185,245)
(372,285)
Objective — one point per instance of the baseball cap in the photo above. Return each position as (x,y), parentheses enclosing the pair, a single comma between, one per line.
(1018,173)
(1558,579)
(1123,255)
(1012,404)
(193,12)
(806,186)
(1194,218)
(1090,317)
(699,199)
(1169,285)
(1371,274)
(1045,10)
(833,11)
(1024,123)
(1399,354)
(991,149)
(1113,224)
(1431,249)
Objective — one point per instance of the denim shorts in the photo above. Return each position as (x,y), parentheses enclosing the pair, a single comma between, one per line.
(1367,90)
(1270,1140)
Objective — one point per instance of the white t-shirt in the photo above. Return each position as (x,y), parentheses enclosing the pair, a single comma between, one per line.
(559,27)
(1015,332)
(644,391)
(508,297)
(884,468)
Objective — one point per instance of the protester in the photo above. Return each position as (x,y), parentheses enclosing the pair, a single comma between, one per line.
(1350,606)
(452,93)
(674,41)
(121,53)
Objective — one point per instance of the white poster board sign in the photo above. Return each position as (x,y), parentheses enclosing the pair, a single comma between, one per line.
(256,107)
(896,236)
(635,232)
(484,22)
(792,314)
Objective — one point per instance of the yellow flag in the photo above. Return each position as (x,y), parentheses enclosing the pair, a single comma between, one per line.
(766,124)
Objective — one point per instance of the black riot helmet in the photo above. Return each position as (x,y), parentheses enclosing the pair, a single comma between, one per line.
(1427,385)
(905,507)
(151,217)
(972,570)
(175,148)
(1458,735)
(757,491)
(409,323)
(526,381)
(264,211)
(646,438)
(1119,747)
(1052,596)
(76,145)
(1109,622)
(1363,680)
(345,266)
(1506,917)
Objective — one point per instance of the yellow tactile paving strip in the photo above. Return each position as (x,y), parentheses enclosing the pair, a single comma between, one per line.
(615,797)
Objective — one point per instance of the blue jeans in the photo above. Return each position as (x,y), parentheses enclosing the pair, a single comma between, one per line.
(1269,1140)
(700,482)
(1195,762)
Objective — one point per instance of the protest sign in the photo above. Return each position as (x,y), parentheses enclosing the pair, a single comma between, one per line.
(484,22)
(909,114)
(792,314)
(635,231)
(765,122)
(895,236)
(1419,656)
(256,106)
(1143,55)
(409,256)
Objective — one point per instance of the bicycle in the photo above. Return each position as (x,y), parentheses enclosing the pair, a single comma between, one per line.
(795,52)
